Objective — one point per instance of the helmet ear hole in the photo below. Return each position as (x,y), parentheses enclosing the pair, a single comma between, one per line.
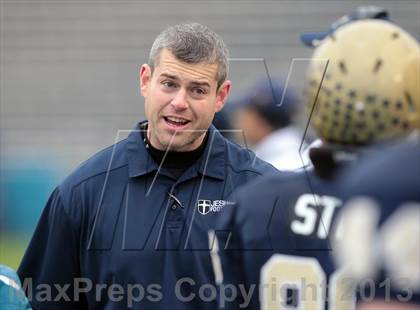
(411,106)
(377,66)
(343,67)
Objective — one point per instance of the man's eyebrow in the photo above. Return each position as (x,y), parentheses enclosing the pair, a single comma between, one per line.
(170,76)
(196,83)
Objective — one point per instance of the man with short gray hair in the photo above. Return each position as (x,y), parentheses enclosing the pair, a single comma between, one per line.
(128,228)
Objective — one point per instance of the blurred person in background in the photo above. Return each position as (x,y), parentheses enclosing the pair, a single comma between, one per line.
(12,296)
(266,115)
(362,94)
(223,123)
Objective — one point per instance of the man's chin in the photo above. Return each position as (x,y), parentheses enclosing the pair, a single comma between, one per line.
(171,144)
(182,144)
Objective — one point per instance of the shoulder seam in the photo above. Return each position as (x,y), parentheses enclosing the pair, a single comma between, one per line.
(97,174)
(244,170)
(112,147)
(69,219)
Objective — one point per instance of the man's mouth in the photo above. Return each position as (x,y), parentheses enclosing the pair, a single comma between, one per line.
(176,121)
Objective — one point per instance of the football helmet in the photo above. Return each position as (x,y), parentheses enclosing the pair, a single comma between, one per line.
(363,83)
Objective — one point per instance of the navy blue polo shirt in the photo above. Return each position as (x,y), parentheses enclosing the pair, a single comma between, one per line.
(121,232)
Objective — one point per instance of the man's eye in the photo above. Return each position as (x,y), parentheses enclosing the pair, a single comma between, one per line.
(199,91)
(168,84)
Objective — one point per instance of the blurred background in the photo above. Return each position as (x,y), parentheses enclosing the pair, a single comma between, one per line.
(69,78)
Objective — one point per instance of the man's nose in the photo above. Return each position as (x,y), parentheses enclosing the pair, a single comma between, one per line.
(180,102)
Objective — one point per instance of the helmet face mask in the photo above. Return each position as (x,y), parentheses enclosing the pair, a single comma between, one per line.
(363,84)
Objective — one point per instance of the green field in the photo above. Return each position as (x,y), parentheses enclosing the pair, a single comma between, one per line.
(12,249)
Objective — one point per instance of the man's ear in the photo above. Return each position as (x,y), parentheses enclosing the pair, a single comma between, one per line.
(145,78)
(222,95)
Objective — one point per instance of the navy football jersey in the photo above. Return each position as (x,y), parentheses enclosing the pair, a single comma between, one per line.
(275,245)
(381,225)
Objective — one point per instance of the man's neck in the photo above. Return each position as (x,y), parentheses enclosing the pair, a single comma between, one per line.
(175,162)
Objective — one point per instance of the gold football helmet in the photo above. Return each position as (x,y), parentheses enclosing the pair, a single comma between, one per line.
(363,83)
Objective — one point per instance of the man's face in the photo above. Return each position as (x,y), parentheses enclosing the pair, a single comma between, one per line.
(180,101)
